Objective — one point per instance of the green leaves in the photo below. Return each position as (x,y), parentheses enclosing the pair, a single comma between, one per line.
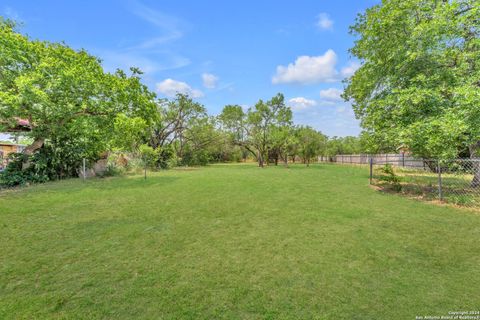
(420,74)
(72,105)
(311,143)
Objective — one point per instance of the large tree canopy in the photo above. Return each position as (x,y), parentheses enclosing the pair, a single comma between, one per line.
(63,93)
(420,76)
(68,102)
(261,129)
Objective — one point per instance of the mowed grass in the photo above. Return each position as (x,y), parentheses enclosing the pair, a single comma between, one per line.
(233,242)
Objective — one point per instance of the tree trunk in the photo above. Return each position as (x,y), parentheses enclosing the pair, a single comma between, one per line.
(260,159)
(285,160)
(37,144)
(30,150)
(474,154)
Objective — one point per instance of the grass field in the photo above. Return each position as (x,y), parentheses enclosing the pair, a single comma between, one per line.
(233,242)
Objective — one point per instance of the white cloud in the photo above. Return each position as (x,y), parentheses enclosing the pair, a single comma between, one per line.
(169,27)
(324,22)
(209,80)
(301,103)
(152,54)
(170,88)
(308,69)
(350,69)
(331,94)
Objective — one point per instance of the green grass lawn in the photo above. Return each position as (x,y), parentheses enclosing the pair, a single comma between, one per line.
(233,242)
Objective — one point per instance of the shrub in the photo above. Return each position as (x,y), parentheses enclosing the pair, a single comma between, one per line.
(39,169)
(112,170)
(148,155)
(166,158)
(387,174)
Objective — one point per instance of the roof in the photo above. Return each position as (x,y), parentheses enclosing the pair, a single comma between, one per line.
(4,143)
(21,125)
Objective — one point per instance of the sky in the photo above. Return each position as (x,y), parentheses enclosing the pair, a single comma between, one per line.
(219,52)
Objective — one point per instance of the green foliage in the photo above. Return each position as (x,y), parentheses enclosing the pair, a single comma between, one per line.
(148,155)
(311,143)
(71,104)
(129,132)
(343,145)
(55,160)
(166,157)
(112,170)
(387,174)
(419,81)
(262,129)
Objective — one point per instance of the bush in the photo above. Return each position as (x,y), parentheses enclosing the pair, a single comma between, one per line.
(148,155)
(51,162)
(387,174)
(112,170)
(166,158)
(38,170)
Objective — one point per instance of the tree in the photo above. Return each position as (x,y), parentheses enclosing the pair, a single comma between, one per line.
(311,143)
(129,133)
(175,117)
(200,139)
(281,142)
(233,121)
(263,120)
(65,97)
(343,145)
(419,81)
(261,129)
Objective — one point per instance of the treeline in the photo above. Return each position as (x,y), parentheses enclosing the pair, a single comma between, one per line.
(64,101)
(183,133)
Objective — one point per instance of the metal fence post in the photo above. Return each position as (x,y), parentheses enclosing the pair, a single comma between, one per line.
(371,170)
(84,171)
(440,190)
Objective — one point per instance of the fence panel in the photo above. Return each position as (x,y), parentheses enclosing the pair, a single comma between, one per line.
(455,181)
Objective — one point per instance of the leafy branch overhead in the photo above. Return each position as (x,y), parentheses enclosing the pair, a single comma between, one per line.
(420,78)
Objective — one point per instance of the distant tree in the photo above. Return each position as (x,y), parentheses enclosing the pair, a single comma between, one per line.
(263,120)
(282,140)
(259,130)
(233,121)
(200,140)
(344,145)
(311,143)
(175,117)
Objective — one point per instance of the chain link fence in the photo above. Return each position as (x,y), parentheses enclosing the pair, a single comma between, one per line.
(454,181)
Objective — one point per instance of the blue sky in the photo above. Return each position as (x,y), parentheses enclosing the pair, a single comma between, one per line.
(220,52)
